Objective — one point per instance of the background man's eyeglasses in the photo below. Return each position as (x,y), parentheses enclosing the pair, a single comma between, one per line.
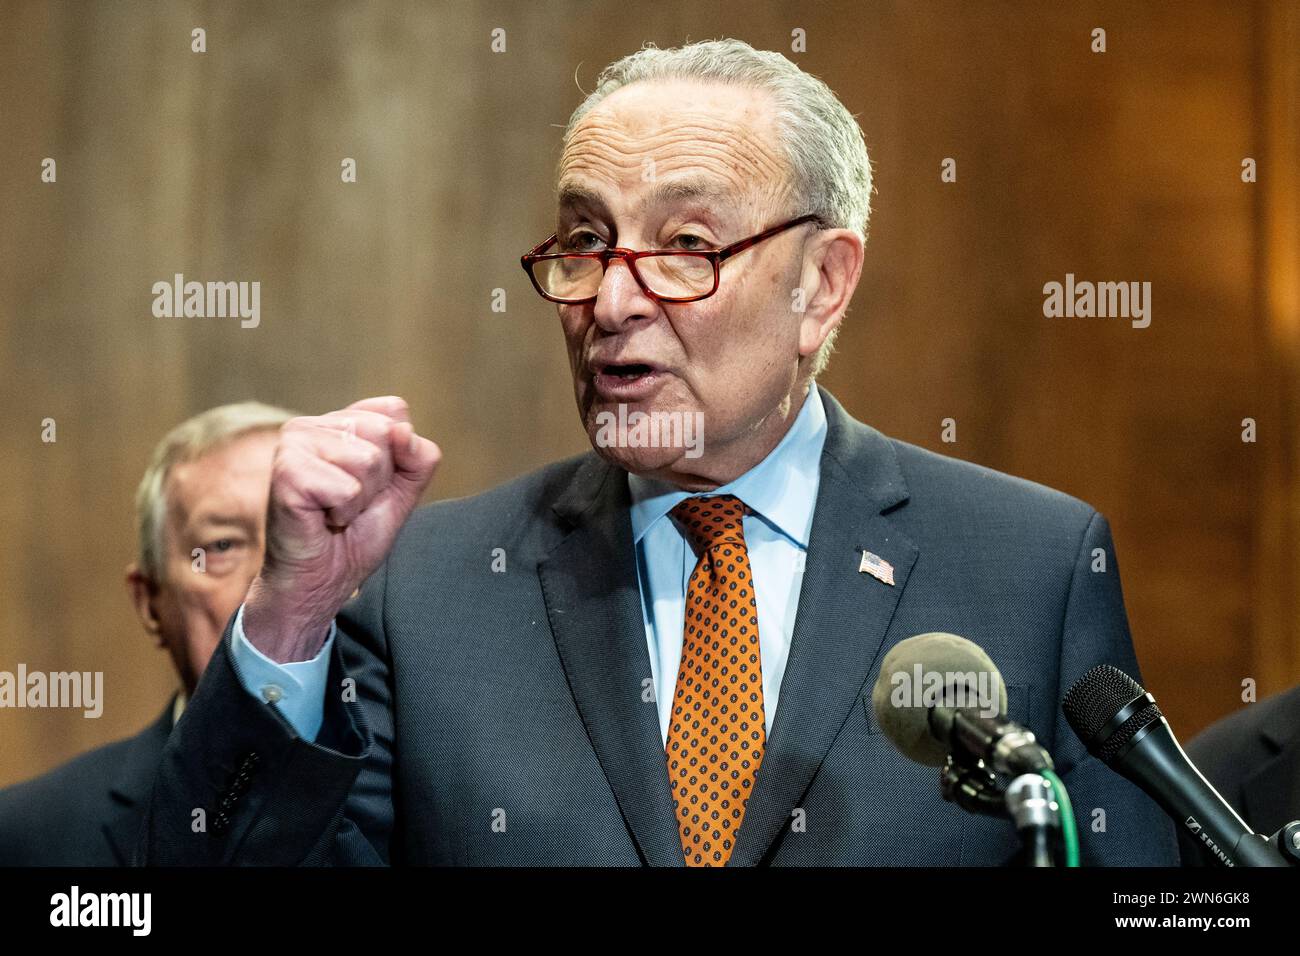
(668,275)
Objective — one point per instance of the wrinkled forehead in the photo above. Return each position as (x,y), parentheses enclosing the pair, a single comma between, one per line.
(237,466)
(656,147)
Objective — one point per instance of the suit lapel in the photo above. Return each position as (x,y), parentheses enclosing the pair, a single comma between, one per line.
(132,785)
(593,602)
(840,624)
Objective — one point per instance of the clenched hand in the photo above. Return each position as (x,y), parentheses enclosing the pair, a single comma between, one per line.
(342,485)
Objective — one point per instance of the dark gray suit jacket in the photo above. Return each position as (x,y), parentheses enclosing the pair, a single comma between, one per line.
(87,812)
(1252,757)
(501,717)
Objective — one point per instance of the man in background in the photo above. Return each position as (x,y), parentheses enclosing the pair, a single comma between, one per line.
(1252,757)
(201,515)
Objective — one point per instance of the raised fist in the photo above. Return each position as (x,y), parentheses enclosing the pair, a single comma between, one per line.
(342,485)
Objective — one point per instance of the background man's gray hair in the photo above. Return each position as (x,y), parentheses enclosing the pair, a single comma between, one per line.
(823,143)
(191,439)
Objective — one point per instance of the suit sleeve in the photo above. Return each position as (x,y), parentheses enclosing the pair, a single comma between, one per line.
(300,684)
(237,785)
(1119,825)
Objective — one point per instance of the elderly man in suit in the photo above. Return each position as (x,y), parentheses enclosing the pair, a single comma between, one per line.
(201,514)
(660,652)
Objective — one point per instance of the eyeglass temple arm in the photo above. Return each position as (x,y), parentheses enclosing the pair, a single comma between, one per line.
(728,251)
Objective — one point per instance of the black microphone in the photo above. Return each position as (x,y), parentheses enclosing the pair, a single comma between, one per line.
(940,694)
(1120,724)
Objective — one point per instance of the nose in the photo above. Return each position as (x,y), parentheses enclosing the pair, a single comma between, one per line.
(620,298)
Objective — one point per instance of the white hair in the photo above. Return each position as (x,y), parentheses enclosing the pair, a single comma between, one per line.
(188,441)
(823,143)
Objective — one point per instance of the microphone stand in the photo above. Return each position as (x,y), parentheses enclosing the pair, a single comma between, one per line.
(1286,842)
(1026,800)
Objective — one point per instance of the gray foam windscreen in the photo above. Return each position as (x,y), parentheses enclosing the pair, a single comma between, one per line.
(899,709)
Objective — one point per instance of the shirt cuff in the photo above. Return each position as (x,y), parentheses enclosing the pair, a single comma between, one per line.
(296,689)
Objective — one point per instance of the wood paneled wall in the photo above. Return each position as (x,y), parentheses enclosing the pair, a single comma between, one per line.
(225,165)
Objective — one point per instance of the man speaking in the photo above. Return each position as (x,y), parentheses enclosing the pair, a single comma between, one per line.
(660,652)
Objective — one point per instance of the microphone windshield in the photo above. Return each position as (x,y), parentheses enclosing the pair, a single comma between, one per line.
(926,671)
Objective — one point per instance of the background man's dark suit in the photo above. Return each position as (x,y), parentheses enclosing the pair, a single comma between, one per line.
(1252,758)
(88,811)
(520,697)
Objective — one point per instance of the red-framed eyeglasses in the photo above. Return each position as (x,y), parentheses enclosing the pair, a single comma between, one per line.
(668,275)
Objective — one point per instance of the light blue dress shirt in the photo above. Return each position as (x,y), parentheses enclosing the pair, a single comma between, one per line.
(781,492)
(297,689)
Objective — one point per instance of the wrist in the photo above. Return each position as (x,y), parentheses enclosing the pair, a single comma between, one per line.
(281,625)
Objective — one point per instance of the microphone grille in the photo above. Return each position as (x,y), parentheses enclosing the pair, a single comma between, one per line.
(1116,742)
(1096,698)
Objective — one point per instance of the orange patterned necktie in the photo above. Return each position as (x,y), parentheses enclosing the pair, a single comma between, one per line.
(717,731)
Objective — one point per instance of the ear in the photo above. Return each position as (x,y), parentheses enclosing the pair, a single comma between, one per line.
(832,267)
(142,591)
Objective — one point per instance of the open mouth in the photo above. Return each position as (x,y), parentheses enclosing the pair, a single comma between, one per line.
(626,373)
(627,381)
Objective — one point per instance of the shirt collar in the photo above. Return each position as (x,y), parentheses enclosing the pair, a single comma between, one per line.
(781,489)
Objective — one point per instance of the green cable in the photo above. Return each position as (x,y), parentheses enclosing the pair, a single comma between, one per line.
(1068,828)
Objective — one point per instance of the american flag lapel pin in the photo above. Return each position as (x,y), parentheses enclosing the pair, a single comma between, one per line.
(877,567)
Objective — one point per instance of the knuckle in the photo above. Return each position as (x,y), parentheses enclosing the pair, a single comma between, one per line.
(371,457)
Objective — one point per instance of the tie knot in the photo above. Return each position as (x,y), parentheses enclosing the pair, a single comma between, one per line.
(712,520)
